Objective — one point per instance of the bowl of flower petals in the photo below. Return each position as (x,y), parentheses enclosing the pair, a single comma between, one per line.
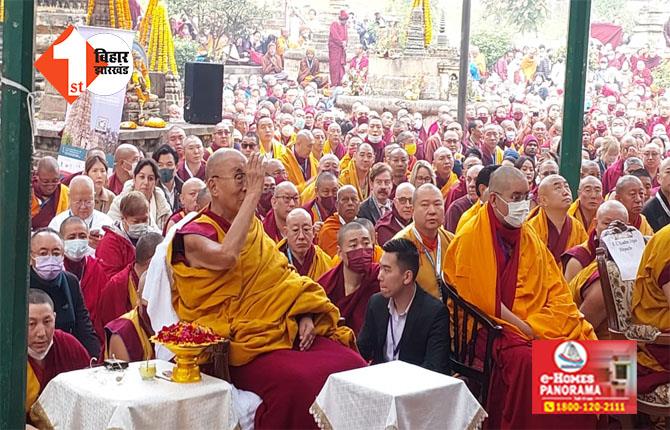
(187,341)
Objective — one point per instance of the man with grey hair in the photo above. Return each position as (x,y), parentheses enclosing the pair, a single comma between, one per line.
(400,215)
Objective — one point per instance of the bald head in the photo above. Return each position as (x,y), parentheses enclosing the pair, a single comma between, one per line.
(348,202)
(189,194)
(221,158)
(590,168)
(608,212)
(554,193)
(630,191)
(546,168)
(325,179)
(626,182)
(471,161)
(506,177)
(304,142)
(428,210)
(298,216)
(47,164)
(82,196)
(81,182)
(125,151)
(591,181)
(285,186)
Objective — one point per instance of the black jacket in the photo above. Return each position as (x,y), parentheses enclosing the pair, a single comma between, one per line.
(424,340)
(71,313)
(369,210)
(178,183)
(655,214)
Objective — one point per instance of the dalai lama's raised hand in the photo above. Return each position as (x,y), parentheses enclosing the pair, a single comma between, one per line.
(306,332)
(255,175)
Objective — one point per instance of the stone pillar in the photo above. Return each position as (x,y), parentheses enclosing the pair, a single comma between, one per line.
(415,46)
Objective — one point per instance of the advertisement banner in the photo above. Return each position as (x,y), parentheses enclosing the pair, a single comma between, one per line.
(584,377)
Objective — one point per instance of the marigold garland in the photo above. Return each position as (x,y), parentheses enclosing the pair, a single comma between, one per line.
(161,43)
(89,11)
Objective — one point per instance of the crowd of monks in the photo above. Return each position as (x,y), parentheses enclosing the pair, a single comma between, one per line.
(256,247)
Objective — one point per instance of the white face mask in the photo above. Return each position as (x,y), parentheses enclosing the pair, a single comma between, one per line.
(135,231)
(516,212)
(618,131)
(76,249)
(510,135)
(37,356)
(374,139)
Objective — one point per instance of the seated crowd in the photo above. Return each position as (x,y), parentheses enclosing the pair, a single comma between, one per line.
(319,245)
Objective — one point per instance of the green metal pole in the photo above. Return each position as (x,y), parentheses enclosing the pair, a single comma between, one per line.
(464,62)
(575,84)
(15,156)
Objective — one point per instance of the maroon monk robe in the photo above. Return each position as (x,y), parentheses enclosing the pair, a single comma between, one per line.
(455,212)
(378,148)
(456,192)
(353,306)
(47,210)
(582,255)
(612,175)
(314,208)
(337,55)
(184,175)
(66,354)
(303,268)
(115,299)
(303,374)
(114,184)
(125,329)
(509,404)
(68,178)
(114,252)
(175,218)
(92,279)
(556,242)
(388,225)
(270,226)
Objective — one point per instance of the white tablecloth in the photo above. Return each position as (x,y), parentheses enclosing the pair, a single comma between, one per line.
(396,395)
(93,399)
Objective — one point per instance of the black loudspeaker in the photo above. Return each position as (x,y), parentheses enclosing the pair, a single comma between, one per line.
(203,93)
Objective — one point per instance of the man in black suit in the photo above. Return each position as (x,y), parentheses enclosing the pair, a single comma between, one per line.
(402,321)
(657,210)
(379,202)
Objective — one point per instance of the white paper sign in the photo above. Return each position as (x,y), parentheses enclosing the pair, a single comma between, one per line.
(626,249)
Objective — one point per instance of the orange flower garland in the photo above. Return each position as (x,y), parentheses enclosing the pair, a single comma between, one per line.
(145,24)
(89,11)
(112,12)
(161,44)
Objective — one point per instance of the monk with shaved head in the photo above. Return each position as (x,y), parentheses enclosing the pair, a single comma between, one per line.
(352,282)
(577,258)
(552,223)
(284,200)
(50,197)
(298,246)
(325,202)
(443,164)
(348,204)
(590,197)
(630,191)
(229,276)
(499,264)
(187,199)
(357,172)
(126,157)
(429,236)
(459,206)
(300,165)
(327,163)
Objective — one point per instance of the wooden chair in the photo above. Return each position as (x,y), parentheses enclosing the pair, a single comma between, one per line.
(617,296)
(467,324)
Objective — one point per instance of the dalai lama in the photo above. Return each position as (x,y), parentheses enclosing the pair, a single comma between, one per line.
(230,277)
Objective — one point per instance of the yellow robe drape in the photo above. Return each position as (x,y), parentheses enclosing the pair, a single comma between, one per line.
(349,176)
(542,297)
(469,214)
(293,169)
(327,148)
(577,283)
(540,223)
(308,193)
(453,179)
(645,227)
(426,276)
(574,212)
(256,303)
(320,265)
(277,148)
(32,387)
(147,347)
(345,162)
(63,203)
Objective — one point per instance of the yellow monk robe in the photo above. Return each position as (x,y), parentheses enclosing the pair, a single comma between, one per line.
(316,261)
(308,193)
(294,171)
(469,214)
(649,306)
(277,149)
(327,238)
(541,299)
(450,183)
(584,278)
(134,333)
(572,234)
(255,304)
(345,162)
(42,214)
(349,176)
(340,152)
(426,277)
(575,212)
(643,225)
(376,256)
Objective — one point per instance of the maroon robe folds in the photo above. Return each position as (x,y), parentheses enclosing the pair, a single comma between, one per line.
(337,55)
(456,192)
(92,279)
(114,252)
(315,209)
(47,210)
(115,298)
(114,184)
(270,226)
(556,242)
(125,329)
(184,175)
(378,148)
(302,269)
(456,211)
(582,255)
(612,175)
(389,225)
(353,306)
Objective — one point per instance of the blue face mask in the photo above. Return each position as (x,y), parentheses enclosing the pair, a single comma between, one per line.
(166,174)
